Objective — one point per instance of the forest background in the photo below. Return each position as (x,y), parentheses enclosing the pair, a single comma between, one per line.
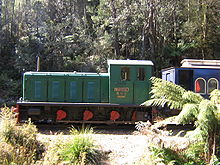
(80,35)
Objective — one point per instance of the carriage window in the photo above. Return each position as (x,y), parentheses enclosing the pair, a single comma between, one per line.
(141,74)
(212,84)
(200,86)
(125,73)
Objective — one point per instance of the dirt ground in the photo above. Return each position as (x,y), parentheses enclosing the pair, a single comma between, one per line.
(124,147)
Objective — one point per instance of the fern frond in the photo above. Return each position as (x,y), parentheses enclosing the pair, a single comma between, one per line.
(162,89)
(206,119)
(215,96)
(188,114)
(162,102)
(155,102)
(195,135)
(217,113)
(191,97)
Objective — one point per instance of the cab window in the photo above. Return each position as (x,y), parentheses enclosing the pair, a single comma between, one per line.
(200,86)
(141,74)
(212,85)
(125,73)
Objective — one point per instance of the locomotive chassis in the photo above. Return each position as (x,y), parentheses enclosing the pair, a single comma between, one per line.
(45,112)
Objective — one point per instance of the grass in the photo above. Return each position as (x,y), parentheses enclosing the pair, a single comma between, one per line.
(18,144)
(82,149)
(78,148)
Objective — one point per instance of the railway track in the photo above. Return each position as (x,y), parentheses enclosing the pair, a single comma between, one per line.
(103,128)
(98,128)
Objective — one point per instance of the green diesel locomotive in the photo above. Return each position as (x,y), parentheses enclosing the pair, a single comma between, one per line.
(78,97)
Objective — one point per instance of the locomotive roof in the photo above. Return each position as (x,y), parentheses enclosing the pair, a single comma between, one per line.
(67,73)
(198,63)
(130,62)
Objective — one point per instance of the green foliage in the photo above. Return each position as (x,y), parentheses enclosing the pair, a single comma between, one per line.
(215,96)
(9,88)
(164,155)
(170,94)
(191,97)
(194,155)
(206,119)
(188,114)
(81,149)
(18,143)
(69,35)
(194,109)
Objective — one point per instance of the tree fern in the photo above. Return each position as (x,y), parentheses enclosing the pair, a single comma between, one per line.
(166,92)
(205,114)
(188,114)
(191,97)
(215,96)
(206,119)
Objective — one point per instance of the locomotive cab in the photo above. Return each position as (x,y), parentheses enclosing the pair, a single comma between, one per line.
(129,81)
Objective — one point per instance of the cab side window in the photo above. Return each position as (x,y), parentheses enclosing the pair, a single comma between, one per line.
(212,85)
(141,74)
(125,74)
(200,86)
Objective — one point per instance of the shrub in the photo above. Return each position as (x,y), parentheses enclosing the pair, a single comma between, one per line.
(191,156)
(81,149)
(20,143)
(165,155)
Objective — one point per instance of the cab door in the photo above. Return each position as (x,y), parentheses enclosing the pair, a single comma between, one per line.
(141,84)
(121,85)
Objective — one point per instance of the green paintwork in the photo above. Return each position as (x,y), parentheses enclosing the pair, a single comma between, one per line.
(74,89)
(56,88)
(90,87)
(91,90)
(34,88)
(65,87)
(121,92)
(142,88)
(132,91)
(104,89)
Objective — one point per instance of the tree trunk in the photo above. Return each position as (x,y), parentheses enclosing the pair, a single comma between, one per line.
(115,29)
(152,30)
(0,15)
(204,25)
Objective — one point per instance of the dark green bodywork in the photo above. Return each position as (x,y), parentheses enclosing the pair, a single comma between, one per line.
(132,91)
(76,87)
(65,87)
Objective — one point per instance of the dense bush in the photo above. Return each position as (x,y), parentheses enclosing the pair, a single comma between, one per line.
(191,156)
(18,144)
(195,109)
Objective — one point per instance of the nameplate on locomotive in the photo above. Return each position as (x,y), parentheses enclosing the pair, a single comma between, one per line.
(124,89)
